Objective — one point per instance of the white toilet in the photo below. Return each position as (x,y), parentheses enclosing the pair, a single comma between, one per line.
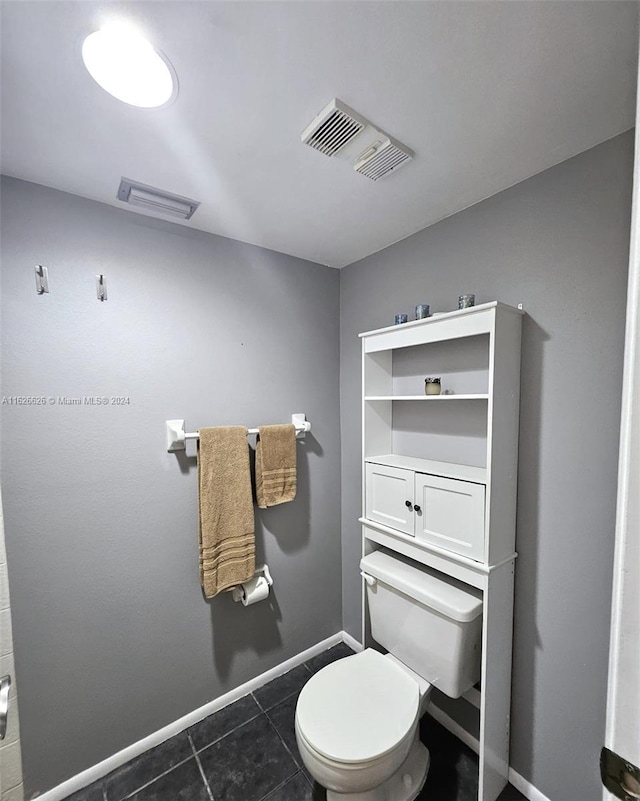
(357,719)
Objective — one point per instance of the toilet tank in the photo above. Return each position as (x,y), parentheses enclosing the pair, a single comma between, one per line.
(430,622)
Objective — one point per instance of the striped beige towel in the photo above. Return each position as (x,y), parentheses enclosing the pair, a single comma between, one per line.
(275,465)
(227,541)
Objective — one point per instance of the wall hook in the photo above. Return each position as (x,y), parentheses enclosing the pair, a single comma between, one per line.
(42,279)
(101,287)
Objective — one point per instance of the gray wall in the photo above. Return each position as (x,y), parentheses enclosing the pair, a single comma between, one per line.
(113,638)
(559,244)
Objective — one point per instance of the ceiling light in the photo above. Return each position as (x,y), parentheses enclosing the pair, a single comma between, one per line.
(156,200)
(127,66)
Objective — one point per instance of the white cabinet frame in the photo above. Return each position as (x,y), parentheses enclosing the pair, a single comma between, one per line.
(492,568)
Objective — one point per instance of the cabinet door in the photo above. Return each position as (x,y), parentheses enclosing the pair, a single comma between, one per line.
(451,514)
(388,489)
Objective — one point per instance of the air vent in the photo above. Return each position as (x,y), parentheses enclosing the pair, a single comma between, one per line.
(333,128)
(382,158)
(156,200)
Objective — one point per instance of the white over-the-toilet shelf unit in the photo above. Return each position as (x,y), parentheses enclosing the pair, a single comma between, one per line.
(439,478)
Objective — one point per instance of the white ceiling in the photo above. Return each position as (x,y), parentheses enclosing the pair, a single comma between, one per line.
(485,93)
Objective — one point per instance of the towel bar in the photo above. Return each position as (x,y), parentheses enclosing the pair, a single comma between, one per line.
(177,436)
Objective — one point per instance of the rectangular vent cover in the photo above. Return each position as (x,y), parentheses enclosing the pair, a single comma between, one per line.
(382,158)
(333,128)
(156,200)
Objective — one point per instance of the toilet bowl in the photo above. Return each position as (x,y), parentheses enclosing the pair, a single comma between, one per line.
(357,729)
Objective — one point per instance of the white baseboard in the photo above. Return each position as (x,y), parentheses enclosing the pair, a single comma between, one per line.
(347,639)
(92,774)
(519,782)
(525,787)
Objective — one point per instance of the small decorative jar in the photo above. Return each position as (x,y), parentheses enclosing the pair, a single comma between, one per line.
(401,318)
(432,386)
(466,301)
(422,311)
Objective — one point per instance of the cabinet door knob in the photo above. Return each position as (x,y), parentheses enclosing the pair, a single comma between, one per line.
(409,505)
(416,508)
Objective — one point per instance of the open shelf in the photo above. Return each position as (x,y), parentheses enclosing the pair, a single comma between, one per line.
(447,432)
(461,365)
(477,396)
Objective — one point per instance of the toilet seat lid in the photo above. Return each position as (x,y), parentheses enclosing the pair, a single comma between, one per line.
(358,708)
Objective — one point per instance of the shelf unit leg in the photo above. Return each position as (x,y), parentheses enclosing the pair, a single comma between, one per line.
(495,706)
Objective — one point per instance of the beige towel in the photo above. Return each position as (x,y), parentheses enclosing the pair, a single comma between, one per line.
(227,542)
(275,465)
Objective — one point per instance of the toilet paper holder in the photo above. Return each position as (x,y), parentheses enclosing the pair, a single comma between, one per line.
(261,570)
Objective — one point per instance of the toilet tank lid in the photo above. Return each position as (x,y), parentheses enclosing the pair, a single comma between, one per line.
(444,594)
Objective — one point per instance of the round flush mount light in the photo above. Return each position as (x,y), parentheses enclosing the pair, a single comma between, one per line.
(126,65)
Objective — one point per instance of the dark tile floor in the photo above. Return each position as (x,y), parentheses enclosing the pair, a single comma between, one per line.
(247,752)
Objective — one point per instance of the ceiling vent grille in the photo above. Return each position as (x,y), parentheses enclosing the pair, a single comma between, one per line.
(156,200)
(333,128)
(382,158)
